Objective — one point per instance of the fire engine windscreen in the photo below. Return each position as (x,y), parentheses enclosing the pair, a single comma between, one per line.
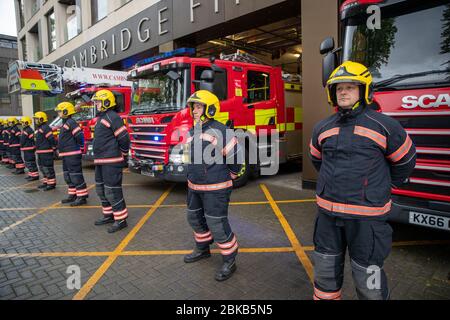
(85,109)
(160,92)
(411,49)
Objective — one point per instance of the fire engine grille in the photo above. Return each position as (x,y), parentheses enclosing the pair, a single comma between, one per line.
(431,136)
(148,142)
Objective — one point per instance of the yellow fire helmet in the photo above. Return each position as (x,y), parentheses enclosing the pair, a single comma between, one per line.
(351,72)
(210,100)
(12,121)
(25,121)
(67,109)
(106,97)
(40,118)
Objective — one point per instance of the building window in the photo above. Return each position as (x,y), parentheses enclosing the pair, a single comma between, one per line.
(35,6)
(51,31)
(258,86)
(23,42)
(73,19)
(20,5)
(99,10)
(36,44)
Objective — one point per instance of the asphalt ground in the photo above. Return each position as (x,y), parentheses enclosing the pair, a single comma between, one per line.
(42,242)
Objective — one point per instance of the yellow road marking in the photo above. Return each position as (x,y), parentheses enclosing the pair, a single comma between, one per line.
(87,287)
(298,248)
(41,211)
(28,218)
(182,252)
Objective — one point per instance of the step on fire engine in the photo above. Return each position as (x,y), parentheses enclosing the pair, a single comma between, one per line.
(253,98)
(51,80)
(412,84)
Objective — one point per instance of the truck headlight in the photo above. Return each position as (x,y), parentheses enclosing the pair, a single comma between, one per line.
(176,158)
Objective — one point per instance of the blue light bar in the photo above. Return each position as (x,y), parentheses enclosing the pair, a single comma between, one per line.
(167,55)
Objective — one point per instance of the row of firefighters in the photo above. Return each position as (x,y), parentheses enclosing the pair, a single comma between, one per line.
(360,155)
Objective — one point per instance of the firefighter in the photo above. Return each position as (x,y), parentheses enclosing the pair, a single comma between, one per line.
(14,146)
(7,160)
(2,143)
(210,182)
(28,147)
(360,155)
(111,145)
(45,150)
(70,144)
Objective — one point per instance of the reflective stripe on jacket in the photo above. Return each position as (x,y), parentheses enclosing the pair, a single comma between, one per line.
(360,156)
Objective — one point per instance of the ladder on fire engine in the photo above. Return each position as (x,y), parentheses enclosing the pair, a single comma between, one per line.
(50,79)
(35,77)
(241,56)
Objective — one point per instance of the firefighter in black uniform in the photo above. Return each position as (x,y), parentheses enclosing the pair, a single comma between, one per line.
(2,143)
(45,150)
(70,144)
(111,146)
(360,155)
(210,182)
(7,159)
(28,147)
(14,146)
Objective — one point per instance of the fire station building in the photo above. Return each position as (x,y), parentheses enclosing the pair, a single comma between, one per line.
(115,34)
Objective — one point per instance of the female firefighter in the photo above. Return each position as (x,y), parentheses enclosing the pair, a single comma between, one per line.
(111,146)
(28,147)
(360,154)
(14,146)
(45,149)
(70,144)
(210,176)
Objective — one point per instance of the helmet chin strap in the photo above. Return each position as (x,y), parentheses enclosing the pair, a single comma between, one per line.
(347,112)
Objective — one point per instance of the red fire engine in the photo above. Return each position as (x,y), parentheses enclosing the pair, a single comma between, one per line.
(252,97)
(406,45)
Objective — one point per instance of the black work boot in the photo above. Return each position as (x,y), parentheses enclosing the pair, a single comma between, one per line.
(49,188)
(28,178)
(70,199)
(33,179)
(197,255)
(10,166)
(118,225)
(79,201)
(18,171)
(42,186)
(105,220)
(226,270)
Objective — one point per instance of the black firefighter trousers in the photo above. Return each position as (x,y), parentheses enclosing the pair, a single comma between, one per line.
(73,176)
(108,183)
(369,243)
(207,214)
(30,162)
(46,165)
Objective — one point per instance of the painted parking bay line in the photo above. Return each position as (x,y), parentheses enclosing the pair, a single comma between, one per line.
(298,248)
(87,287)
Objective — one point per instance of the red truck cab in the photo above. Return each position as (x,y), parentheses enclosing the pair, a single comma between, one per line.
(251,98)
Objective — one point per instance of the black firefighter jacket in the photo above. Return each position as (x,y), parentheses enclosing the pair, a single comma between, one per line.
(45,141)
(360,156)
(14,137)
(111,139)
(70,139)
(27,140)
(204,173)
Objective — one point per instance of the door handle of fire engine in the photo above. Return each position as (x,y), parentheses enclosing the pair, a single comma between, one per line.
(251,107)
